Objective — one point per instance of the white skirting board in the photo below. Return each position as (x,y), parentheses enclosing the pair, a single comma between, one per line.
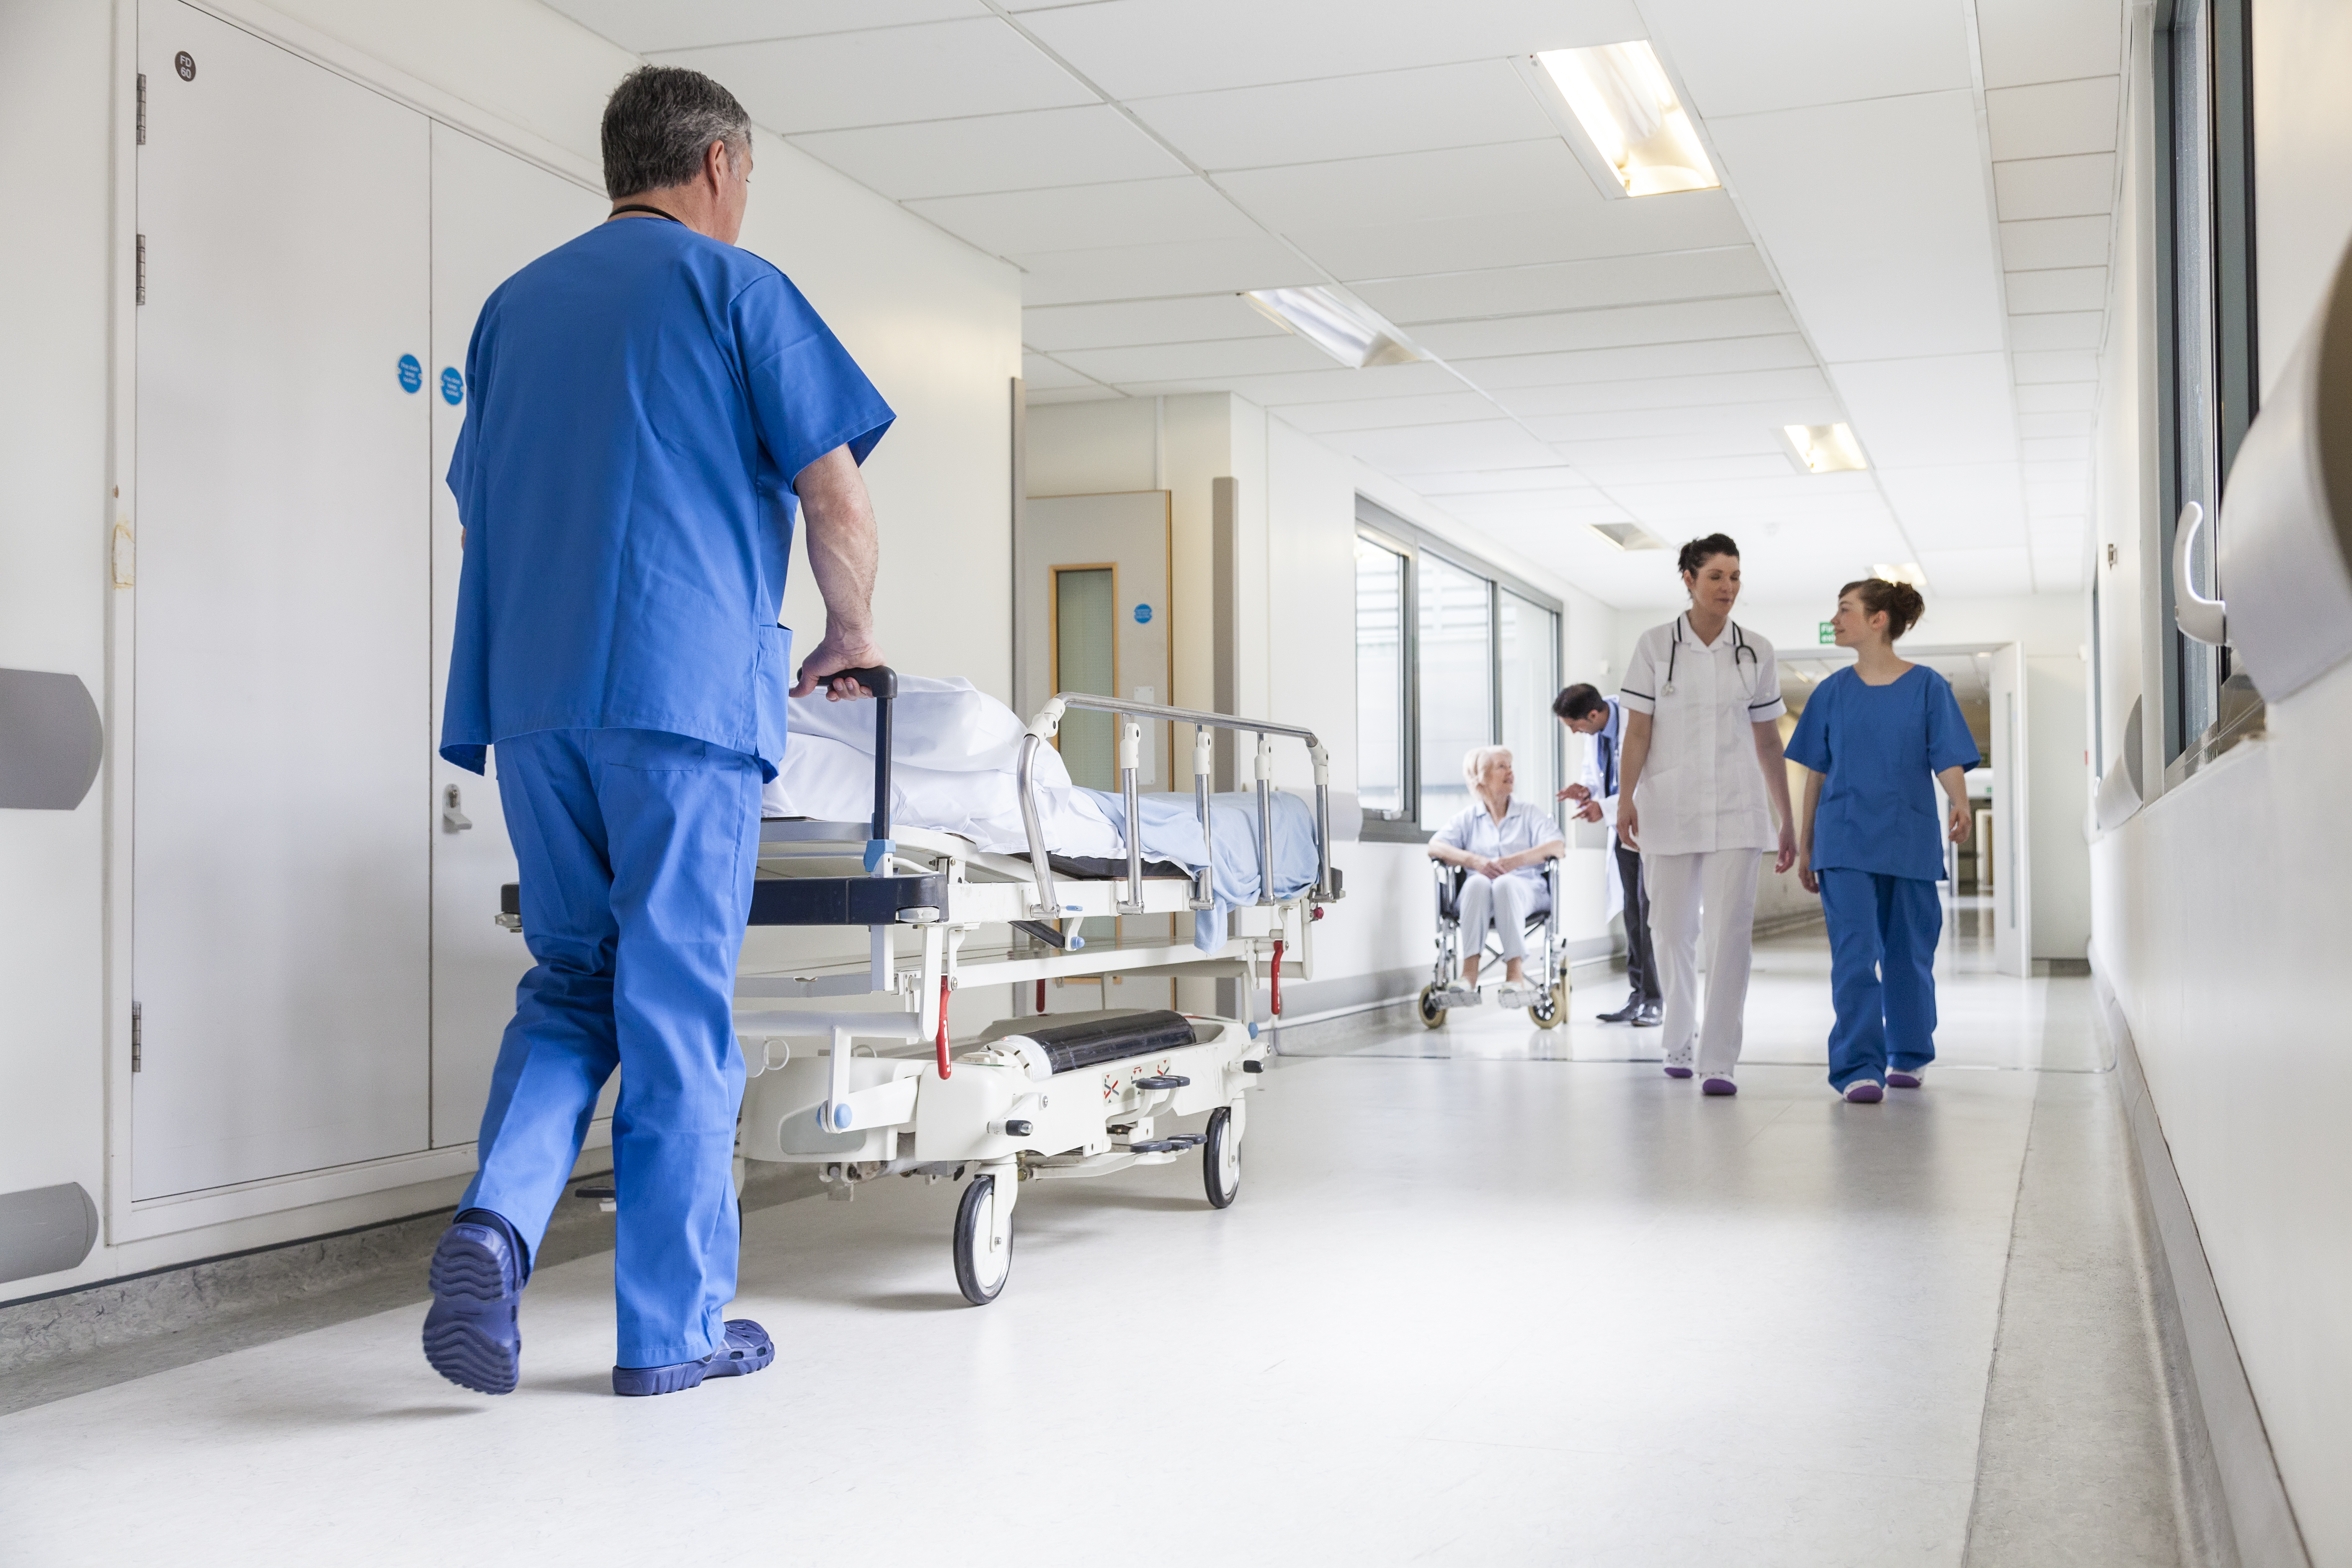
(2228,1472)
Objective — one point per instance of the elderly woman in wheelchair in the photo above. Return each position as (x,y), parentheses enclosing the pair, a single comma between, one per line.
(1496,863)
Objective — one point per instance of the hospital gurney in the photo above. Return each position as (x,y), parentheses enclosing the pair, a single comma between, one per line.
(1058,1096)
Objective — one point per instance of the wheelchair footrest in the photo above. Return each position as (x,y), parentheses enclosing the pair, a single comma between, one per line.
(1458,997)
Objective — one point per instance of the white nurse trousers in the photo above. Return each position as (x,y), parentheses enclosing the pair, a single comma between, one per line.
(1713,894)
(1508,901)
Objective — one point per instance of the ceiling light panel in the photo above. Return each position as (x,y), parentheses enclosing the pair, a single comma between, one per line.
(1903,572)
(1825,449)
(1635,120)
(1627,535)
(1348,332)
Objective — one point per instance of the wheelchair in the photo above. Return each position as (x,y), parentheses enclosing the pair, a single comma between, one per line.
(1543,993)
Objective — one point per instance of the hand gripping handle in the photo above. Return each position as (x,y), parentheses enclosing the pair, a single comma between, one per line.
(883,681)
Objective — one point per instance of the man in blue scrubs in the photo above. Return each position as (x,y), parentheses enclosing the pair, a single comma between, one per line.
(645,404)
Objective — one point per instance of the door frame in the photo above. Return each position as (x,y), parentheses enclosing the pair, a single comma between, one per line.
(127,1220)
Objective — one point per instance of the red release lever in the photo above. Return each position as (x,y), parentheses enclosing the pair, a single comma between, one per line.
(944,1069)
(1278,977)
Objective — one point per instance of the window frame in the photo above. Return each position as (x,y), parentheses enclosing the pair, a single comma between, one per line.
(1383,528)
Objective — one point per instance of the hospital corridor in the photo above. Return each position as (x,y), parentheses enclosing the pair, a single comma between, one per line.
(1536,781)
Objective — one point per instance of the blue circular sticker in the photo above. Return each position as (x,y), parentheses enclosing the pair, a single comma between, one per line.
(412,374)
(453,386)
(1142,614)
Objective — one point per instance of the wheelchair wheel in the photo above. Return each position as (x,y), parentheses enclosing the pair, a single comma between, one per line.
(1547,1013)
(1432,1014)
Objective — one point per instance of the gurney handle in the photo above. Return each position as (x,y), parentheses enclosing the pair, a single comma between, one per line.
(883,681)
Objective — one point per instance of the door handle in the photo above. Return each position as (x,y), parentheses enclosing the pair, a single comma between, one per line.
(452,819)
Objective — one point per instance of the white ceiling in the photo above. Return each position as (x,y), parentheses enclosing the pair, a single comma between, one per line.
(1914,236)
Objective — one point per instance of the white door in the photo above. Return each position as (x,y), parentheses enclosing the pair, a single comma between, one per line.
(1110,553)
(283,609)
(492,214)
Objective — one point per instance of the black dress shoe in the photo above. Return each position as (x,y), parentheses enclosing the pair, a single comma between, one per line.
(1649,1016)
(1625,1015)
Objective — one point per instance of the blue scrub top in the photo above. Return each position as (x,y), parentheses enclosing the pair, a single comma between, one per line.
(639,402)
(1882,747)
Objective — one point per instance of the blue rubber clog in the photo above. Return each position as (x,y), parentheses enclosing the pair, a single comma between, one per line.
(472,1335)
(747,1349)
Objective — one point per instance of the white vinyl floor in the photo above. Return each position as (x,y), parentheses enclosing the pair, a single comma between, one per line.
(1489,1296)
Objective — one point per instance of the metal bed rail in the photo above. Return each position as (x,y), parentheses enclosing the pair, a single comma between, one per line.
(1047,904)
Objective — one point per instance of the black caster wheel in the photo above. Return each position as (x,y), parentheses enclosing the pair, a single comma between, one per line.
(980,1267)
(1221,1160)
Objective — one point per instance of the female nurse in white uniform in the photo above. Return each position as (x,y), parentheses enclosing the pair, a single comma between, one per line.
(1703,781)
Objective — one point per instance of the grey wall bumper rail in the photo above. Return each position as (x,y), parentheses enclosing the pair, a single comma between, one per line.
(46,1230)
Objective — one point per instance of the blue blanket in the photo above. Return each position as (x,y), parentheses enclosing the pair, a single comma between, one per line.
(1172,831)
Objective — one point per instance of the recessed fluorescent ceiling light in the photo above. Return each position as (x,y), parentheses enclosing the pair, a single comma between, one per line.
(1825,449)
(1627,535)
(1621,96)
(1906,571)
(1340,328)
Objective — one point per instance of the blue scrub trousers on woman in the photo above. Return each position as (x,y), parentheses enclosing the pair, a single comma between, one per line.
(636,849)
(1883,936)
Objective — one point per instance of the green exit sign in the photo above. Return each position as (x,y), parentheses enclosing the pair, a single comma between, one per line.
(1829,634)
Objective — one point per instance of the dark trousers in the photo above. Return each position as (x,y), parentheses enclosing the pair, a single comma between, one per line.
(1641,963)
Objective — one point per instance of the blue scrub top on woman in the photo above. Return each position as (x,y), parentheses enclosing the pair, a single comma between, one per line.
(1880,749)
(640,401)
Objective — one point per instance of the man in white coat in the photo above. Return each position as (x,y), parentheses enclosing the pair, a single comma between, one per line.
(1701,762)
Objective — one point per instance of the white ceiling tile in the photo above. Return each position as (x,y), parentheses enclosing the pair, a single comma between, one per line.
(1147,48)
(1483,481)
(1614,474)
(2044,244)
(2055,187)
(1925,413)
(1437,449)
(932,72)
(1147,272)
(2038,425)
(1569,285)
(2047,501)
(2070,289)
(1755,315)
(1532,509)
(1737,58)
(1460,105)
(1742,427)
(646,29)
(1453,182)
(1747,444)
(1718,357)
(1139,212)
(1332,385)
(1386,413)
(1664,391)
(2054,449)
(1971,507)
(1125,322)
(1185,362)
(2074,471)
(1975,574)
(2062,330)
(2063,397)
(1039,373)
(1895,257)
(1087,145)
(1087,393)
(2056,364)
(2053,119)
(2049,41)
(1689,220)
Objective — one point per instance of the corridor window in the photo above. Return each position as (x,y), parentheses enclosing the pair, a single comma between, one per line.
(1380,708)
(1450,654)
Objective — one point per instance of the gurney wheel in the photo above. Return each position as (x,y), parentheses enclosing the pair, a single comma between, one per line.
(1547,1013)
(1432,1014)
(1221,1160)
(980,1271)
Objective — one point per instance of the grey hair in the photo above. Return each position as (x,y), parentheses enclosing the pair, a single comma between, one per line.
(658,124)
(1475,760)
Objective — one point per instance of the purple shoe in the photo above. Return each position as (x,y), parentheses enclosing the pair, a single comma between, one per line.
(1719,1083)
(472,1334)
(1673,1072)
(746,1350)
(1864,1091)
(1905,1077)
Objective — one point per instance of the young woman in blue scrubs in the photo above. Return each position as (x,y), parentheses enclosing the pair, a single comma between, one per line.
(1876,738)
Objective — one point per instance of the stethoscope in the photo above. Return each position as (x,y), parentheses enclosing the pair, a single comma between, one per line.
(1738,647)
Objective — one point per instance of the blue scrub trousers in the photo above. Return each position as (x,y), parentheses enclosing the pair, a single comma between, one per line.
(636,849)
(1883,934)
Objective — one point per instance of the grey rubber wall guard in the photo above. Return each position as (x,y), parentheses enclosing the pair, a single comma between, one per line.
(46,1230)
(50,741)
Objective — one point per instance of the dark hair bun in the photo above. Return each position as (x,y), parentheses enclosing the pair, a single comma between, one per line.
(1695,553)
(1899,602)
